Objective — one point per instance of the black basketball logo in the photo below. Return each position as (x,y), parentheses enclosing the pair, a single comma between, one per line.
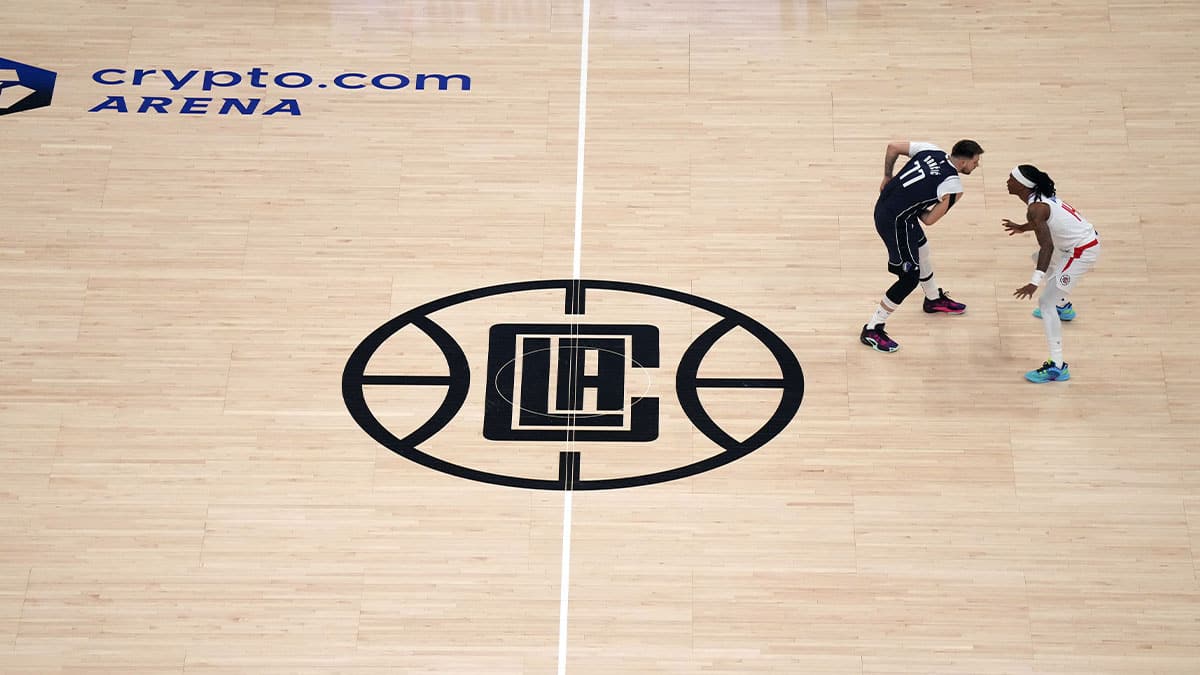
(577,375)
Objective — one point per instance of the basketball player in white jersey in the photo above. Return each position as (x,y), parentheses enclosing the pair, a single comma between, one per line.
(1067,249)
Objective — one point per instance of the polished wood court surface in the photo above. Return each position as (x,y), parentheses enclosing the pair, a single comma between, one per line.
(183,280)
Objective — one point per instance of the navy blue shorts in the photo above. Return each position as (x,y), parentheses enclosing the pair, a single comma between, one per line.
(902,237)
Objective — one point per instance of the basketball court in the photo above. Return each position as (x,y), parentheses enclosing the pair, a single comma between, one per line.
(522,337)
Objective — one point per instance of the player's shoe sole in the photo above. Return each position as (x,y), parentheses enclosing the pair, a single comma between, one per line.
(1066,312)
(1049,373)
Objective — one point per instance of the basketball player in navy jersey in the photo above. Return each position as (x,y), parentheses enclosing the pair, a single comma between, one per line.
(926,187)
(1068,248)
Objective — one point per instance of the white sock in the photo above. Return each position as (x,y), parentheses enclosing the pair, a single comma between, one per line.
(882,312)
(926,265)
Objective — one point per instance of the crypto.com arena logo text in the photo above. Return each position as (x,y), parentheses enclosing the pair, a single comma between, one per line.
(24,87)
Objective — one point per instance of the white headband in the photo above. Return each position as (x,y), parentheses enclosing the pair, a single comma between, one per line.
(1016,173)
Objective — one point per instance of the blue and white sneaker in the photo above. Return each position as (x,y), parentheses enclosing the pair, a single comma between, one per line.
(1049,373)
(1066,312)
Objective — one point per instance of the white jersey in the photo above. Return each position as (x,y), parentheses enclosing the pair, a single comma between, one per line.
(1068,228)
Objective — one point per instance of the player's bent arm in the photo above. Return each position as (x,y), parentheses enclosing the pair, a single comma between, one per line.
(935,214)
(1038,215)
(894,150)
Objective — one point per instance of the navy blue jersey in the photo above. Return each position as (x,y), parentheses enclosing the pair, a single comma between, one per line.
(924,179)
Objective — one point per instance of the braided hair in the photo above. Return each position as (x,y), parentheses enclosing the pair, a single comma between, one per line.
(1043,185)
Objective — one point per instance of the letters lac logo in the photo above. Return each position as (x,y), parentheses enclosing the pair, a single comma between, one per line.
(24,87)
(596,385)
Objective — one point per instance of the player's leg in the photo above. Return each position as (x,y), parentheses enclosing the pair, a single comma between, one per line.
(1063,306)
(1059,286)
(936,300)
(882,312)
(903,263)
(1053,369)
(874,334)
(1051,322)
(885,228)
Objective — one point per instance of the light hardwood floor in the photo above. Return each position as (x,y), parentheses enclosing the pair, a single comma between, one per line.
(182,488)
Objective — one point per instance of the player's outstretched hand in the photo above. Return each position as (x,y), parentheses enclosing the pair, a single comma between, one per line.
(1013,228)
(1025,291)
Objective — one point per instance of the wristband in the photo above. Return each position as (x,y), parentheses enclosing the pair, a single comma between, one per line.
(1037,277)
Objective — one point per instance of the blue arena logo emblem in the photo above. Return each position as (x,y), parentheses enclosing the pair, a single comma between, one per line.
(24,87)
(594,377)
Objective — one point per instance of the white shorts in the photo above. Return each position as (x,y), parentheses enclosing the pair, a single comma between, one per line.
(1067,267)
(1072,265)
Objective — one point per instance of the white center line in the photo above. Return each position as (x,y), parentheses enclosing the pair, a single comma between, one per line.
(566,577)
(565,581)
(583,77)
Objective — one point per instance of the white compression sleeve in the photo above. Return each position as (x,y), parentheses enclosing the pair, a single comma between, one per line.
(1051,324)
(928,285)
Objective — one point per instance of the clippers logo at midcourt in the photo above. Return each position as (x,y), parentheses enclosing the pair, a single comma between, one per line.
(599,385)
(574,384)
